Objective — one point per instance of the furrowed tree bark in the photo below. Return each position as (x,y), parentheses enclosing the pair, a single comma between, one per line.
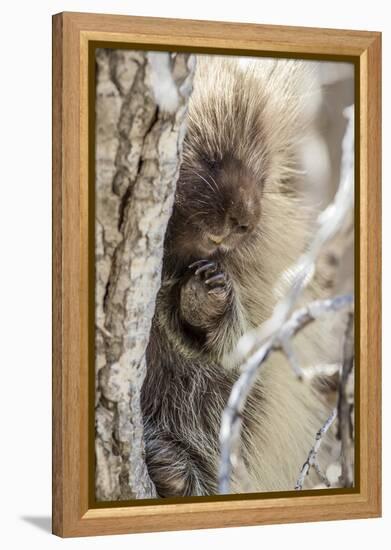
(141,102)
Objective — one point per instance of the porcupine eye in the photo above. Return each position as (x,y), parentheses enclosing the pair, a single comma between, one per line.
(239,227)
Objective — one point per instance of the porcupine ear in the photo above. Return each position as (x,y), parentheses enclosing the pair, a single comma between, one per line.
(291,96)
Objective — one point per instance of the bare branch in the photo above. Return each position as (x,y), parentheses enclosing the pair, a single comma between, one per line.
(312,456)
(232,420)
(345,408)
(323,477)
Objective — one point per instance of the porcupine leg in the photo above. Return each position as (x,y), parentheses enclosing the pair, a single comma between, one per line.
(206,295)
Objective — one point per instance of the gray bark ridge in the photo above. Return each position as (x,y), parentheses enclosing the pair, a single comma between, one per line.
(141,104)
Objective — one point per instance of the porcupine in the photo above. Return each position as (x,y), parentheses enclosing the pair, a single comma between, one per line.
(237,225)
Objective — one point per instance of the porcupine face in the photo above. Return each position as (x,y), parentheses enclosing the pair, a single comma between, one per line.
(217,207)
(239,157)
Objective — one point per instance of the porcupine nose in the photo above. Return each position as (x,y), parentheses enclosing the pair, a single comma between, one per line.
(233,226)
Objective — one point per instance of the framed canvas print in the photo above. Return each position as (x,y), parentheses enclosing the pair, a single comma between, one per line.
(216,298)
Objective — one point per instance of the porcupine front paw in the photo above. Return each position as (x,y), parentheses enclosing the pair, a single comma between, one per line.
(205,295)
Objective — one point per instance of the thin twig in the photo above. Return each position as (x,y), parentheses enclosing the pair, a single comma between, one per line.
(311,460)
(345,427)
(323,477)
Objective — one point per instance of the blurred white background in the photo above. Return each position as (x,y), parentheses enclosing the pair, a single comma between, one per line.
(25,219)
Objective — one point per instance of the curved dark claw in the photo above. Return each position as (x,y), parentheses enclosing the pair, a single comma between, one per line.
(205,267)
(198,263)
(208,269)
(219,278)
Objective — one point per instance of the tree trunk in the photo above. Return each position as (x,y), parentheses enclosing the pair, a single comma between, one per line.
(141,102)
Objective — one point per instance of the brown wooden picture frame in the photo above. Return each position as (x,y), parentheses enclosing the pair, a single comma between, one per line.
(73,512)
